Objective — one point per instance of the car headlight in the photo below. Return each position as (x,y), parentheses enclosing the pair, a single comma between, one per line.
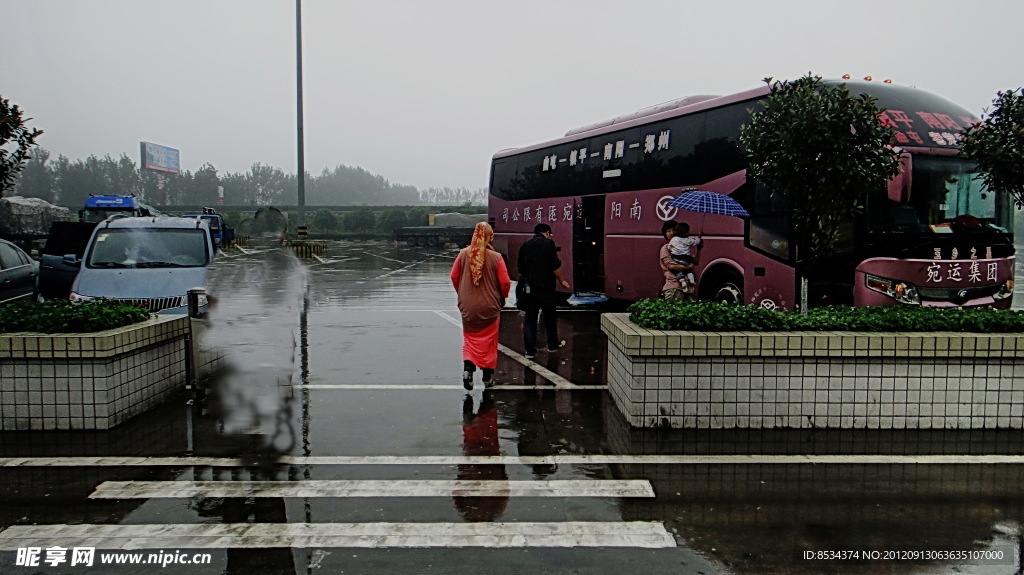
(1005,290)
(77,297)
(902,292)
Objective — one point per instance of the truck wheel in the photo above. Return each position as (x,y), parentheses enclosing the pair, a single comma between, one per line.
(410,241)
(421,241)
(432,241)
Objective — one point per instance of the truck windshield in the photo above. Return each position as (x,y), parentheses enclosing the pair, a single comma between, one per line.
(97,215)
(149,247)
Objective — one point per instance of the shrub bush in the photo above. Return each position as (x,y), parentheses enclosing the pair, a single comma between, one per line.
(62,316)
(712,316)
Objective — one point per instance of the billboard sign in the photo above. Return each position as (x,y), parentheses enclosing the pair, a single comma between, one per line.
(160,158)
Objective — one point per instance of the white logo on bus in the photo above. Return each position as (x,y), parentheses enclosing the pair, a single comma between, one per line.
(666,212)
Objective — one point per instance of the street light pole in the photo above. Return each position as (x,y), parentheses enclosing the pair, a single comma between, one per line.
(298,107)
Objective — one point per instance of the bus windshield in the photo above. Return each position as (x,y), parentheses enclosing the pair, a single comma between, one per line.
(945,197)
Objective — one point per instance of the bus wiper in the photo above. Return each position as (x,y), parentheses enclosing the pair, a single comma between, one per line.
(915,247)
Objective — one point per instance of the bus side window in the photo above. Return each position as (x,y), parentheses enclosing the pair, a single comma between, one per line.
(770,234)
(769,224)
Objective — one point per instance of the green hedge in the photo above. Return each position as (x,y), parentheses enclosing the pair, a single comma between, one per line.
(62,316)
(711,316)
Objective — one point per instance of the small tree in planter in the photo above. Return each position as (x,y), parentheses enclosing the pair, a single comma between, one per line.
(822,149)
(997,145)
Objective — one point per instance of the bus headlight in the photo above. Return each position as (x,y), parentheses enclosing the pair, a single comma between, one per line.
(1005,290)
(902,292)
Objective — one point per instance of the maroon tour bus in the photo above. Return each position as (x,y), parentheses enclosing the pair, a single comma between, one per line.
(934,236)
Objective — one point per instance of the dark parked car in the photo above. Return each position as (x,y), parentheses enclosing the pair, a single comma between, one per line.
(18,273)
(55,276)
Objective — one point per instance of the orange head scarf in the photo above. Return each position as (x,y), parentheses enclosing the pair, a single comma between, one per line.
(482,235)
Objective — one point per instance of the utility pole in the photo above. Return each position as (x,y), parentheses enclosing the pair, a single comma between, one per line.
(298,108)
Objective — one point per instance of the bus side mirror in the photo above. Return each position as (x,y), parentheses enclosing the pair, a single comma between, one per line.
(899,186)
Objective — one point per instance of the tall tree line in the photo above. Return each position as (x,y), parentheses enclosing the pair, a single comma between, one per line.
(69,182)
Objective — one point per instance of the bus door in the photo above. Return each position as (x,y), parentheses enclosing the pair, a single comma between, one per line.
(588,245)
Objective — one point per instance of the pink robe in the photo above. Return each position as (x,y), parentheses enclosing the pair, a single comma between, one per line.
(481,306)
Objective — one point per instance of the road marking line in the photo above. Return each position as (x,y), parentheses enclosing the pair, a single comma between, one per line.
(359,386)
(384,257)
(328,261)
(558,381)
(642,534)
(449,318)
(374,488)
(356,308)
(457,387)
(597,459)
(392,272)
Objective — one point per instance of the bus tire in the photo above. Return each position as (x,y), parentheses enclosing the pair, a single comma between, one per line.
(727,288)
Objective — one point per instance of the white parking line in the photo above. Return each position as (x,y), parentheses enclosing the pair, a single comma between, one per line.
(392,272)
(384,257)
(597,459)
(375,488)
(456,387)
(642,534)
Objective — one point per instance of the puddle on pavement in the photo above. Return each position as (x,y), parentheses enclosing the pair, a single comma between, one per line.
(378,317)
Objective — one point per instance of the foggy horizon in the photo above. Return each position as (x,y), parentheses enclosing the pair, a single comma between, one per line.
(423,94)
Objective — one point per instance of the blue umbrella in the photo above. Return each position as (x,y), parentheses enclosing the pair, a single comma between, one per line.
(705,202)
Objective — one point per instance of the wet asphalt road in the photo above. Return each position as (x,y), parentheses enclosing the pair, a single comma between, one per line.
(348,369)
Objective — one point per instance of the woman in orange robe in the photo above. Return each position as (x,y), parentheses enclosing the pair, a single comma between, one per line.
(482,283)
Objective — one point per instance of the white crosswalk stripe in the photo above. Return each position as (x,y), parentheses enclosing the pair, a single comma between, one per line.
(368,535)
(638,534)
(596,459)
(374,488)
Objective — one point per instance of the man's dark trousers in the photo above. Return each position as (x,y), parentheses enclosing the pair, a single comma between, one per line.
(540,303)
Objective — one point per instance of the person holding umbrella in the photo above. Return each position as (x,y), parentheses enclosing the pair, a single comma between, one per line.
(700,202)
(683,248)
(672,289)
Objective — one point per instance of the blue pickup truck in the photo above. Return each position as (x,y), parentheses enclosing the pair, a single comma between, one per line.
(222,234)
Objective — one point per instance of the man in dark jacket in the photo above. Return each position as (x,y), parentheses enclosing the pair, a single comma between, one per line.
(541,269)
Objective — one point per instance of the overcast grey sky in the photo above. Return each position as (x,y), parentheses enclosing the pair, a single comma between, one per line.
(423,92)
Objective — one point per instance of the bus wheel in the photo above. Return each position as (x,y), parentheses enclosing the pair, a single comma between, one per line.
(729,290)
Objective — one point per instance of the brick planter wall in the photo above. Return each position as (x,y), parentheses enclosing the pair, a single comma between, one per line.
(814,379)
(93,380)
